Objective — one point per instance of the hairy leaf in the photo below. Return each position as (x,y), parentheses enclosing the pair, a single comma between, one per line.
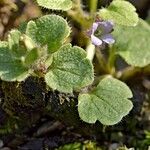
(56,4)
(31,57)
(107,103)
(70,69)
(11,68)
(50,30)
(133,43)
(121,12)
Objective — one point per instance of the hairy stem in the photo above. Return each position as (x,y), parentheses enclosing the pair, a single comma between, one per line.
(78,15)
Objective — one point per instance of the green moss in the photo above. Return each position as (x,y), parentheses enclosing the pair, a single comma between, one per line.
(24,100)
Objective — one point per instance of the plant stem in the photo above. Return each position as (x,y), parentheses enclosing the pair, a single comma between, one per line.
(128,73)
(90,51)
(131,72)
(78,15)
(93,6)
(111,61)
(101,61)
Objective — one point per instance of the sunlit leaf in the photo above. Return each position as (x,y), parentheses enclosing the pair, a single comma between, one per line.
(50,30)
(108,102)
(133,43)
(55,4)
(70,69)
(120,12)
(11,68)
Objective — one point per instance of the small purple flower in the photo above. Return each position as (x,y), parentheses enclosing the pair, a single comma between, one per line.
(100,32)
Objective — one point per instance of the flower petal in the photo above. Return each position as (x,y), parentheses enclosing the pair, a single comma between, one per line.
(106,26)
(96,41)
(108,38)
(94,27)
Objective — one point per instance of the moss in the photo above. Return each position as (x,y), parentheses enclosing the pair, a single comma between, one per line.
(24,100)
(28,101)
(63,107)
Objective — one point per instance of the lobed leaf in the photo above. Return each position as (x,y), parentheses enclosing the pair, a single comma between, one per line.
(11,68)
(50,30)
(120,12)
(56,4)
(133,43)
(70,69)
(107,103)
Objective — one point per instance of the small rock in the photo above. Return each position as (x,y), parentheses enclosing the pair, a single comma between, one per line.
(1,143)
(113,146)
(33,144)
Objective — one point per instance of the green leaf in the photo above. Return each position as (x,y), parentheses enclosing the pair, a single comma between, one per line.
(11,68)
(31,57)
(50,30)
(13,39)
(107,103)
(17,56)
(70,69)
(133,43)
(15,43)
(22,27)
(55,4)
(120,12)
(27,42)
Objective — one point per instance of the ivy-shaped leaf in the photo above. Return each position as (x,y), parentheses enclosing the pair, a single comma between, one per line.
(50,30)
(107,103)
(121,12)
(70,69)
(11,68)
(55,4)
(133,43)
